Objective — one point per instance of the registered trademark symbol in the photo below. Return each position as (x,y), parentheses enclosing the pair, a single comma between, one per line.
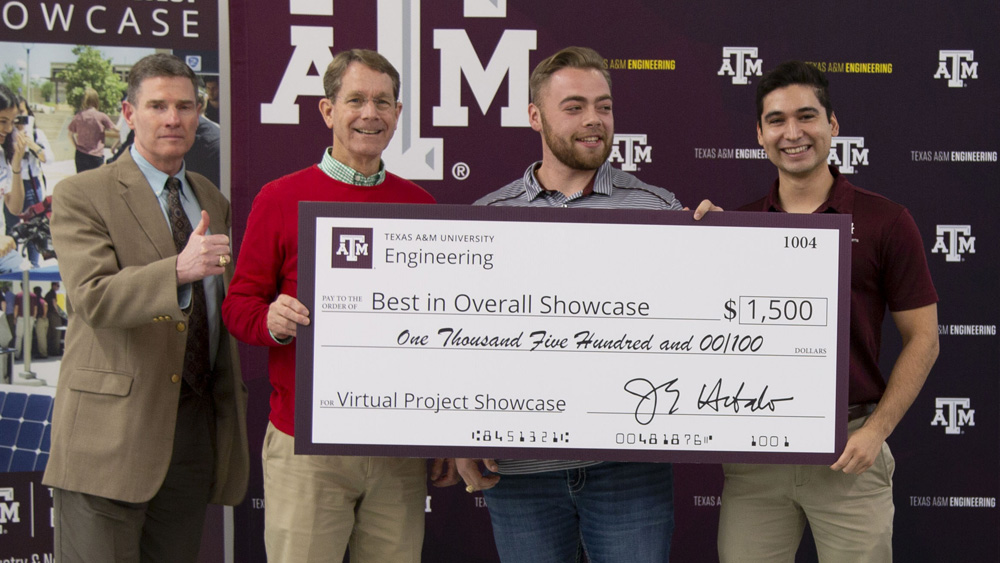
(460,171)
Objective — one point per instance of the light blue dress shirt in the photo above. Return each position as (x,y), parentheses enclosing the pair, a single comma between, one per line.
(212,284)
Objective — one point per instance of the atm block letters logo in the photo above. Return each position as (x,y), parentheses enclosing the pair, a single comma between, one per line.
(848,154)
(352,248)
(630,150)
(954,241)
(9,508)
(741,63)
(956,66)
(953,414)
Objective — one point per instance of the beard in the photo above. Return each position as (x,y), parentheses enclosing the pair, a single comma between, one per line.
(566,151)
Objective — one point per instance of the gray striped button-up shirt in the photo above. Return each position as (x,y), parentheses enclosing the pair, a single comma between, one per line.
(613,189)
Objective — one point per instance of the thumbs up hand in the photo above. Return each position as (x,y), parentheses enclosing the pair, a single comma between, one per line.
(204,255)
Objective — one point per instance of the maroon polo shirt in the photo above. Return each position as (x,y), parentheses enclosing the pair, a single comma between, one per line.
(888,268)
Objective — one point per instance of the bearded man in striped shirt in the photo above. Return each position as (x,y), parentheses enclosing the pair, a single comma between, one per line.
(554,511)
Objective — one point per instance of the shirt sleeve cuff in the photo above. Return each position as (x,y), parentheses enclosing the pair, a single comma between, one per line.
(184,296)
(282,341)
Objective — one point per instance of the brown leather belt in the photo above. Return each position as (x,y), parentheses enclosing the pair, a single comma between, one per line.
(859,410)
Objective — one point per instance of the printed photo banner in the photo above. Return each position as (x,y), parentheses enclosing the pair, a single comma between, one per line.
(38,38)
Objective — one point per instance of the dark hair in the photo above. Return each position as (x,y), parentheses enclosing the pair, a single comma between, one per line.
(152,66)
(8,99)
(338,66)
(794,72)
(27,106)
(570,57)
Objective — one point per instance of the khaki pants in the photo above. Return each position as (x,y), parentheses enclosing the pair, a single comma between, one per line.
(315,506)
(765,508)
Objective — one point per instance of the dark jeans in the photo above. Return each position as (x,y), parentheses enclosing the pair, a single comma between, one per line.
(614,512)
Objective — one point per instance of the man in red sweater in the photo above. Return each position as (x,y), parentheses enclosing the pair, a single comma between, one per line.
(316,505)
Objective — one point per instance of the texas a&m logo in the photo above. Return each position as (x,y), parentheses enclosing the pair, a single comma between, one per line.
(9,508)
(352,248)
(740,63)
(400,39)
(956,66)
(953,241)
(630,150)
(847,153)
(953,414)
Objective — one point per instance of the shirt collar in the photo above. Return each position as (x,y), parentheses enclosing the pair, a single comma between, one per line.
(344,173)
(840,200)
(157,179)
(601,184)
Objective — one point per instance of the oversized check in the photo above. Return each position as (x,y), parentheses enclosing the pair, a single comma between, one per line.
(457,331)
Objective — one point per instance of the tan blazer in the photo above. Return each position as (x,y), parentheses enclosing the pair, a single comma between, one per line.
(116,403)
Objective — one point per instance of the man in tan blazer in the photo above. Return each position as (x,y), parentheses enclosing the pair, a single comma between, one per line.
(149,420)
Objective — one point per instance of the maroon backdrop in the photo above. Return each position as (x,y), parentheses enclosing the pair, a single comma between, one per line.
(916,91)
(914,87)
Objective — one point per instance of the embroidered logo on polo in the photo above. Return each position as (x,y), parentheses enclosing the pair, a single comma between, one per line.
(352,248)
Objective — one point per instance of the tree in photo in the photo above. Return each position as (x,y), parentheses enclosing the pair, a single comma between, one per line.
(47,89)
(11,77)
(93,70)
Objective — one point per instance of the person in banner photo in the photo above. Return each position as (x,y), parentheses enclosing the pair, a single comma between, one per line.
(212,105)
(204,155)
(149,420)
(13,144)
(848,505)
(39,152)
(552,511)
(87,131)
(21,332)
(41,322)
(316,505)
(7,337)
(56,319)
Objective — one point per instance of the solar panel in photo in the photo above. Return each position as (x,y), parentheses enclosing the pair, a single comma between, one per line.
(25,426)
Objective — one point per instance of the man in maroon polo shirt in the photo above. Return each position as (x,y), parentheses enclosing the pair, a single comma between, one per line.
(849,504)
